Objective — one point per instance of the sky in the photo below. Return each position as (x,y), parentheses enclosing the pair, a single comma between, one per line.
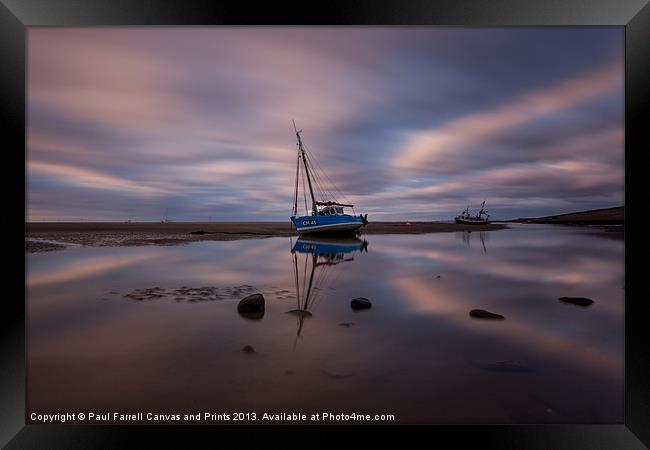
(410,123)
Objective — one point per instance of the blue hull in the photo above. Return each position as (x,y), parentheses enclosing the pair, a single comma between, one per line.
(327,224)
(328,247)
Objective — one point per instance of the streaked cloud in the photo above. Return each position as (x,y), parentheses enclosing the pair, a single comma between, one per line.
(89,178)
(407,122)
(430,149)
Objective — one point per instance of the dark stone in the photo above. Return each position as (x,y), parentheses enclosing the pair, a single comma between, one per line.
(580,301)
(248,349)
(251,307)
(253,316)
(252,303)
(360,303)
(483,314)
(346,324)
(437,276)
(200,232)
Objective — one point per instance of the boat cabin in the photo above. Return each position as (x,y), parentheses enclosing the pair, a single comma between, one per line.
(331,211)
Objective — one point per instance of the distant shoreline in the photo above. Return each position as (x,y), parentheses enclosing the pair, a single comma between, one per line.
(50,236)
(604,216)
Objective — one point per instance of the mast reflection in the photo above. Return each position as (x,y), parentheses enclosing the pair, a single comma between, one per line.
(314,266)
(482,235)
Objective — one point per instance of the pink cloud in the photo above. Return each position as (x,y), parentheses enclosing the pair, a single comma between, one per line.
(439,143)
(91,178)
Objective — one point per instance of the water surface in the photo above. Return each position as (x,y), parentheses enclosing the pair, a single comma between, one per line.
(416,353)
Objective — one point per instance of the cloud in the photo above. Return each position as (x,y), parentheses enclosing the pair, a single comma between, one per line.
(430,149)
(124,121)
(90,179)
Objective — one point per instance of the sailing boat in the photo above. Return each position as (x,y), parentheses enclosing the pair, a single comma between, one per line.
(326,215)
(321,254)
(466,218)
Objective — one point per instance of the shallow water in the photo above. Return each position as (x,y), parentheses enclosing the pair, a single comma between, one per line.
(416,353)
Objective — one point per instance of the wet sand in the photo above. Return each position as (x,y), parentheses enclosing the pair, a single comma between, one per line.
(114,319)
(42,237)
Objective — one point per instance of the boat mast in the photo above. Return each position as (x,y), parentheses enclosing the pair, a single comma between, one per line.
(295,199)
(480,213)
(304,160)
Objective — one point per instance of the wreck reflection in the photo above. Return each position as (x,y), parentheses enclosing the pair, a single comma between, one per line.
(466,236)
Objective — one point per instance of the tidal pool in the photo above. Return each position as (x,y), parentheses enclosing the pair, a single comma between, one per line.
(156,328)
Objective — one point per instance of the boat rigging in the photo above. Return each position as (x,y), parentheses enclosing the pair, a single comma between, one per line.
(466,218)
(331,216)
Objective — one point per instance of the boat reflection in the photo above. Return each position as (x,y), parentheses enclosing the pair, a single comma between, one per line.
(316,272)
(466,237)
(331,248)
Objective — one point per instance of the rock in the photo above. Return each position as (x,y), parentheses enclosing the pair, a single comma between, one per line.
(146,294)
(200,232)
(252,303)
(248,349)
(251,307)
(253,316)
(483,314)
(360,303)
(345,324)
(580,301)
(437,276)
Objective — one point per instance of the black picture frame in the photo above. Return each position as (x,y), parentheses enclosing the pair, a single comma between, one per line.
(634,15)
